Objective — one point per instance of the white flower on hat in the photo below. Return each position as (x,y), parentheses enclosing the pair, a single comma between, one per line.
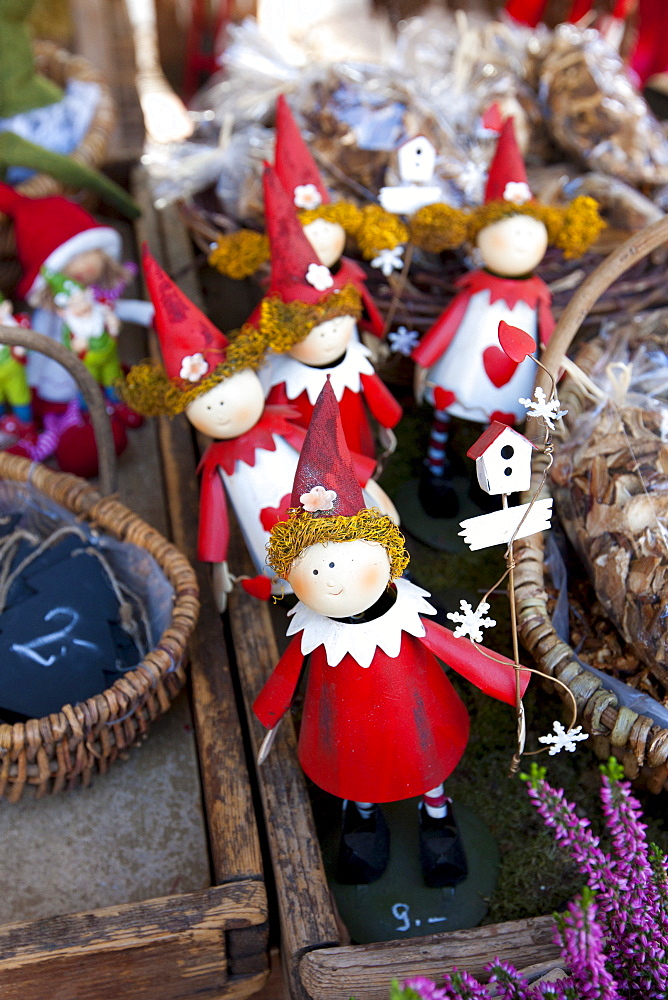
(193,367)
(307,196)
(518,192)
(319,276)
(318,498)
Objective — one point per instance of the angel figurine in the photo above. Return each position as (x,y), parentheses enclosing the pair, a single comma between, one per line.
(381,721)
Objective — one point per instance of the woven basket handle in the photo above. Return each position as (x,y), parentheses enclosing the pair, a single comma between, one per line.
(18,336)
(620,260)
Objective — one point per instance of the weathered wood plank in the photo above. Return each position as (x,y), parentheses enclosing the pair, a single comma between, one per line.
(307,918)
(173,948)
(235,846)
(157,972)
(367,970)
(133,925)
(234,843)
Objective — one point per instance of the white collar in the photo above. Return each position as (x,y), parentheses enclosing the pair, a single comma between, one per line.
(299,378)
(362,640)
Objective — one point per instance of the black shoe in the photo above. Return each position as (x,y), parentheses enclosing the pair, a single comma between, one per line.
(437,495)
(441,850)
(365,846)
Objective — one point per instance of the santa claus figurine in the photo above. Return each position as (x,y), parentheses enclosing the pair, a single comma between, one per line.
(381,721)
(58,235)
(309,318)
(253,455)
(467,373)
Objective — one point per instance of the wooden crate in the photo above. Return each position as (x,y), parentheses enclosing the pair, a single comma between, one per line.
(212,943)
(315,962)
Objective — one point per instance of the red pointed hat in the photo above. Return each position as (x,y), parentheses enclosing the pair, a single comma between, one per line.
(190,343)
(296,272)
(295,166)
(325,482)
(507,178)
(51,231)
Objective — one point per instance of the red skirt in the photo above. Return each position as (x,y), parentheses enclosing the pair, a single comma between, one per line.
(383,733)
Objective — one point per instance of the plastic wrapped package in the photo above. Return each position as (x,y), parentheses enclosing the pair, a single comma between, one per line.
(610,483)
(594,112)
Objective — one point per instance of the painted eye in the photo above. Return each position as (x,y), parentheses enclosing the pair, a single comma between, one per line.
(331,565)
(315,572)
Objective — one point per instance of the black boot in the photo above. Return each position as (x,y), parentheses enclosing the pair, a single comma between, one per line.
(441,850)
(365,846)
(437,495)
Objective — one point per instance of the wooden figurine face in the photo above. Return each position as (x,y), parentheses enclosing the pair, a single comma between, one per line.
(327,239)
(513,246)
(230,408)
(326,342)
(337,579)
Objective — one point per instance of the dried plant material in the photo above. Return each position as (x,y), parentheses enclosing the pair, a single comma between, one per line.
(610,482)
(594,112)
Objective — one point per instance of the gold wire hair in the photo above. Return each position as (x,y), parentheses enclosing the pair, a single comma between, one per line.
(239,255)
(288,539)
(149,390)
(284,324)
(573,228)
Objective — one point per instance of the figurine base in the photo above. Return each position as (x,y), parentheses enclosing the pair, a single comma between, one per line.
(399,904)
(440,533)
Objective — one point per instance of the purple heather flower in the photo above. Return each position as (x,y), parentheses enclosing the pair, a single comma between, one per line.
(425,988)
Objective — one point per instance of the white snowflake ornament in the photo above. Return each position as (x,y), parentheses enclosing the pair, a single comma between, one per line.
(307,196)
(542,407)
(388,260)
(320,277)
(193,367)
(471,623)
(403,341)
(562,739)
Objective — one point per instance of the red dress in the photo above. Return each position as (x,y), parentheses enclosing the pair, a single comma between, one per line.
(381,722)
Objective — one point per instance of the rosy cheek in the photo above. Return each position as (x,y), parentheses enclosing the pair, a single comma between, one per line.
(372,577)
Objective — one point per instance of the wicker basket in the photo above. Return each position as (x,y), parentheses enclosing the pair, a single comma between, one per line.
(636,740)
(66,748)
(60,66)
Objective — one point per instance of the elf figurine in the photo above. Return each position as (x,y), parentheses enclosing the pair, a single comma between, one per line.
(381,721)
(90,329)
(326,224)
(467,373)
(309,319)
(14,389)
(253,456)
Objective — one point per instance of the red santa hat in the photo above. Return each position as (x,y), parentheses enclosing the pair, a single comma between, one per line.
(325,483)
(296,273)
(507,179)
(51,231)
(192,347)
(295,166)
